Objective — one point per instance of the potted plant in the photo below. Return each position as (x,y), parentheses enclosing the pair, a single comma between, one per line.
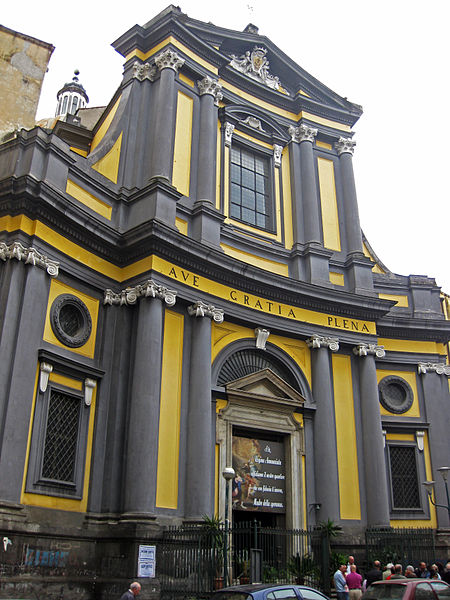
(301,567)
(243,564)
(213,527)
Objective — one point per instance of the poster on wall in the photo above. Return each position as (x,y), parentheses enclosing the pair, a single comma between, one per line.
(146,561)
(260,480)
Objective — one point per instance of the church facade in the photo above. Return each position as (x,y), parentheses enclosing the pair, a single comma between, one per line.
(185,287)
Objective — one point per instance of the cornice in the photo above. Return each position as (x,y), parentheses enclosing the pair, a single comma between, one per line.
(436,330)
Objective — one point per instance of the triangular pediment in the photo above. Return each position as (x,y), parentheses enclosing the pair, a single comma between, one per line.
(265,384)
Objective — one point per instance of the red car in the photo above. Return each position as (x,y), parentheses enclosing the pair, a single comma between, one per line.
(408,589)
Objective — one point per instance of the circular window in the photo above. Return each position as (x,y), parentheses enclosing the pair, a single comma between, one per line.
(70,320)
(396,394)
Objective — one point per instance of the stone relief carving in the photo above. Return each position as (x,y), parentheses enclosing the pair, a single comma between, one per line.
(148,289)
(261,337)
(302,133)
(345,145)
(201,309)
(277,150)
(318,341)
(253,122)
(144,71)
(369,349)
(211,86)
(168,59)
(30,256)
(438,368)
(255,64)
(229,128)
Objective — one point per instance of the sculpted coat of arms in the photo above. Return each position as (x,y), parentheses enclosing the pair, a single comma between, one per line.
(255,64)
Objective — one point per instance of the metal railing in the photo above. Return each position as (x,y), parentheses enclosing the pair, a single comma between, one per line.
(400,545)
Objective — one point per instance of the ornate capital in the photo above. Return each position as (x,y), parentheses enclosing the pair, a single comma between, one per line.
(438,368)
(148,289)
(318,341)
(261,337)
(143,71)
(168,59)
(303,133)
(369,349)
(201,309)
(30,256)
(228,130)
(277,150)
(345,145)
(210,86)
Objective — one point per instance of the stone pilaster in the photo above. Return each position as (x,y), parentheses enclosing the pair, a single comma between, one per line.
(206,219)
(200,442)
(377,501)
(325,449)
(142,440)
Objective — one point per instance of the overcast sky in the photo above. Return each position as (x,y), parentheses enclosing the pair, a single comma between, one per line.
(390,56)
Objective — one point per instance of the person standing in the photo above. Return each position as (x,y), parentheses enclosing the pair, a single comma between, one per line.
(398,572)
(446,575)
(374,574)
(409,572)
(388,571)
(422,572)
(134,590)
(340,583)
(354,583)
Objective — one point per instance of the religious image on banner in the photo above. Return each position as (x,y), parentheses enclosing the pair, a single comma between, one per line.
(260,480)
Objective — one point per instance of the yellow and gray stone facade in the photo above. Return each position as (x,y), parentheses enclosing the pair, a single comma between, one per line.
(191,270)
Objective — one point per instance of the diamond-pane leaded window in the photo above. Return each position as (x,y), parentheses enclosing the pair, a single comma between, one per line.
(405,489)
(249,188)
(61,437)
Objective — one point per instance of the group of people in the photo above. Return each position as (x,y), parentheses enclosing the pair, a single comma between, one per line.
(349,583)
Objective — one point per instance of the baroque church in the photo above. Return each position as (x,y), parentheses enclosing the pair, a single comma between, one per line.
(185,288)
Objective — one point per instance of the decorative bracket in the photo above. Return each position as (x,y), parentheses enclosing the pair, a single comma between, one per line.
(261,337)
(277,150)
(201,309)
(45,369)
(419,439)
(228,131)
(89,386)
(369,349)
(383,431)
(318,341)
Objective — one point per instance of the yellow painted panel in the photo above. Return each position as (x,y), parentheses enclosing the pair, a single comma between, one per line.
(181,225)
(330,219)
(277,182)
(186,80)
(272,236)
(337,278)
(56,289)
(320,144)
(218,165)
(287,199)
(257,261)
(401,300)
(75,384)
(79,151)
(411,346)
(169,416)
(108,165)
(171,40)
(183,140)
(401,437)
(226,182)
(297,350)
(88,199)
(105,125)
(252,139)
(53,501)
(346,438)
(216,480)
(410,377)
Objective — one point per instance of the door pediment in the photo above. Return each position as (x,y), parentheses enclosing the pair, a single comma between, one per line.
(267,386)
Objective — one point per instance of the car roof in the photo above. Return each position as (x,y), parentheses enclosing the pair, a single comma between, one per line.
(256,587)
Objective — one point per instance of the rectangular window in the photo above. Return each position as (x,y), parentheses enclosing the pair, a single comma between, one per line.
(250,188)
(405,487)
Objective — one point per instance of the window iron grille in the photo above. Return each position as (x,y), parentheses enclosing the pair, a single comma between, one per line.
(405,488)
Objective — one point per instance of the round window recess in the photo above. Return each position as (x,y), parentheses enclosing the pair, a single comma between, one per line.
(70,320)
(396,394)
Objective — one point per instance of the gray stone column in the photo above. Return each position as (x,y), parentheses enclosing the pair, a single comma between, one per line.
(200,443)
(20,342)
(435,392)
(316,265)
(325,449)
(377,500)
(206,219)
(168,62)
(144,401)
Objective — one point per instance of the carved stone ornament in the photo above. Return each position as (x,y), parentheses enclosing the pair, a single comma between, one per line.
(229,128)
(45,370)
(30,256)
(384,433)
(210,86)
(438,368)
(148,289)
(255,65)
(318,341)
(201,309)
(89,386)
(277,151)
(253,122)
(419,440)
(168,59)
(144,71)
(302,133)
(261,337)
(345,145)
(369,349)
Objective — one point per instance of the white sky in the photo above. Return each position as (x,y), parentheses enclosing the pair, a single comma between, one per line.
(390,56)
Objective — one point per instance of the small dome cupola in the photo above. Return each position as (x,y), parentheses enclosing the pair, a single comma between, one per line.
(71,97)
